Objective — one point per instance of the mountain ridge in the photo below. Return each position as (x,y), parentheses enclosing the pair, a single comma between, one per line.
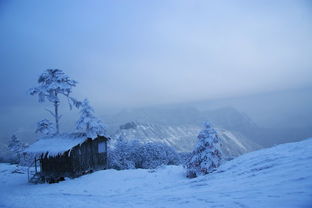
(183,138)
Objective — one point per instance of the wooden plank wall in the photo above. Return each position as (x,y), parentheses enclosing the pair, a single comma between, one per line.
(78,161)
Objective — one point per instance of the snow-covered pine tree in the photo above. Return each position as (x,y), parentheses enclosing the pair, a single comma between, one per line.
(52,83)
(207,155)
(16,147)
(88,123)
(45,127)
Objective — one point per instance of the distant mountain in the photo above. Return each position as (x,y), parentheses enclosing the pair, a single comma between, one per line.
(228,118)
(157,115)
(183,138)
(180,137)
(190,120)
(179,127)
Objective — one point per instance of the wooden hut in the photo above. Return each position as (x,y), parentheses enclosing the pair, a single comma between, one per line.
(69,155)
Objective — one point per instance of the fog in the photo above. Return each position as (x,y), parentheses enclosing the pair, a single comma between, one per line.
(251,55)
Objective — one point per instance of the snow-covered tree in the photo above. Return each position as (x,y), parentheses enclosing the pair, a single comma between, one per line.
(156,154)
(52,83)
(133,154)
(125,155)
(16,147)
(45,127)
(207,155)
(88,123)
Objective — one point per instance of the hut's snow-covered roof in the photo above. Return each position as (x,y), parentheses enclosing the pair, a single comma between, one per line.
(56,145)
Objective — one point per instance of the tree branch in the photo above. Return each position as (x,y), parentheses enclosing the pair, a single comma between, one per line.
(50,112)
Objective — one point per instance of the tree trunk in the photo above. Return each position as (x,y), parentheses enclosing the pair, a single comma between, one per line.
(56,104)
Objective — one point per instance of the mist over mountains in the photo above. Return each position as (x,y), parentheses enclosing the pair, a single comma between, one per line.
(226,117)
(183,138)
(191,118)
(265,119)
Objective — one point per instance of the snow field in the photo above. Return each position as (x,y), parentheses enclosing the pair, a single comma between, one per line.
(276,177)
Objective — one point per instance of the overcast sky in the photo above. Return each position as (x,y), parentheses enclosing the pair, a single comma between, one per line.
(136,53)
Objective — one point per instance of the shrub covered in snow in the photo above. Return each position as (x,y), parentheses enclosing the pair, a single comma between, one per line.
(88,123)
(124,155)
(133,154)
(207,154)
(156,154)
(16,147)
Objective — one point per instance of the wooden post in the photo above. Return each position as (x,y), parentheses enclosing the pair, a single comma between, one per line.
(36,165)
(106,154)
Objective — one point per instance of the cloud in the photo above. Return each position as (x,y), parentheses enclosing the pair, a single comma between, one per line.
(143,53)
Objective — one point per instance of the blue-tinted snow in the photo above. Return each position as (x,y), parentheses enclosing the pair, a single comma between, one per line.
(276,177)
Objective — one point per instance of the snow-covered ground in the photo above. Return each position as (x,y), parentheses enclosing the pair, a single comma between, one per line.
(277,177)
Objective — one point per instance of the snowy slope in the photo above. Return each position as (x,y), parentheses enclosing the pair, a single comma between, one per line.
(277,177)
(179,137)
(183,137)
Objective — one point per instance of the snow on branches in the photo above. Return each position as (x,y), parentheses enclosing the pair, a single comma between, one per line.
(51,83)
(88,123)
(207,154)
(45,127)
(54,82)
